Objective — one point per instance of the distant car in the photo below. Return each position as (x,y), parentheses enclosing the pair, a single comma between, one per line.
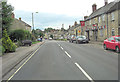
(39,39)
(113,43)
(50,38)
(72,38)
(61,38)
(81,39)
(26,42)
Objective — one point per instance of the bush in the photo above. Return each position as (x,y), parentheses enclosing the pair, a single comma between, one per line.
(19,35)
(7,43)
(2,50)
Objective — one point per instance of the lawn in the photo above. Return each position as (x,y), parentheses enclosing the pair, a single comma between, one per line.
(35,42)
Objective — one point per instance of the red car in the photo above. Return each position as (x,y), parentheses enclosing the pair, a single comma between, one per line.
(113,43)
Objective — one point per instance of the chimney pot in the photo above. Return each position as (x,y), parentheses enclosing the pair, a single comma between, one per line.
(106,2)
(75,23)
(20,18)
(94,7)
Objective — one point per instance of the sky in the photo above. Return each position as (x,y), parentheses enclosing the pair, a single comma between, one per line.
(53,13)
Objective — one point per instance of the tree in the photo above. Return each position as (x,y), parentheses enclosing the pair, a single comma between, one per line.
(38,33)
(51,36)
(48,29)
(6,15)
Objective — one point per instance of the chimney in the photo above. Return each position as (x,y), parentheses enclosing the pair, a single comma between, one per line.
(19,18)
(94,7)
(85,17)
(75,23)
(106,2)
(13,15)
(69,26)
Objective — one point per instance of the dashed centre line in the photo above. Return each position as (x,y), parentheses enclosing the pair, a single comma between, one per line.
(67,54)
(62,48)
(83,71)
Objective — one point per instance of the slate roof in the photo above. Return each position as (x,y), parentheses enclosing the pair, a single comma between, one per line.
(101,10)
(23,22)
(115,7)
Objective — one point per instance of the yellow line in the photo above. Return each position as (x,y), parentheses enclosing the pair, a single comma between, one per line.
(22,65)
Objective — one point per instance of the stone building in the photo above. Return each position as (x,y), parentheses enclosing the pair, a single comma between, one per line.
(103,22)
(19,24)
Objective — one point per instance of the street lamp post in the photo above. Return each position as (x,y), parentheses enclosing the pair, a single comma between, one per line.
(33,21)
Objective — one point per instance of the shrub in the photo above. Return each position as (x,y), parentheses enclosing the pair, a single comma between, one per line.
(19,35)
(7,43)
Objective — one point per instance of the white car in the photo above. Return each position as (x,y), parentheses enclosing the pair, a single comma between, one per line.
(50,38)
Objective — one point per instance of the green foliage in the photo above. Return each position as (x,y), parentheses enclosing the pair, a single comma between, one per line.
(19,35)
(38,33)
(48,29)
(6,15)
(2,49)
(7,43)
(51,36)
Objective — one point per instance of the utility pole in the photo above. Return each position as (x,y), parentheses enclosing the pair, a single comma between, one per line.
(33,21)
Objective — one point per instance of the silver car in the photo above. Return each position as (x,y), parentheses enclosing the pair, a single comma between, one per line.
(81,39)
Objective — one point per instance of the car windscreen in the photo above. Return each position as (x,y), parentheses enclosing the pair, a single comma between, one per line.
(117,39)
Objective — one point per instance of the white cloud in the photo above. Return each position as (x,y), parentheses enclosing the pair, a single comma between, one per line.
(68,7)
(50,11)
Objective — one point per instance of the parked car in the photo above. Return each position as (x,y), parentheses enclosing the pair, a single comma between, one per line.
(81,39)
(50,38)
(72,38)
(113,43)
(39,39)
(26,42)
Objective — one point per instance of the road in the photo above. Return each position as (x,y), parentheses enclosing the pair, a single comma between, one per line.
(59,60)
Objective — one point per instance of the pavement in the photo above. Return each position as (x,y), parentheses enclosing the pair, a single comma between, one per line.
(59,60)
(96,42)
(10,60)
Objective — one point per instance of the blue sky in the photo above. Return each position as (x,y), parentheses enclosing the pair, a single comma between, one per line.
(53,13)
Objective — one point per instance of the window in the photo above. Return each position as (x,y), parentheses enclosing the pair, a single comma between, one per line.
(117,39)
(103,17)
(91,33)
(112,16)
(90,22)
(101,32)
(113,32)
(111,38)
(99,19)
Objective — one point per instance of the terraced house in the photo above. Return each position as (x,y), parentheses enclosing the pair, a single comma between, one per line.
(103,22)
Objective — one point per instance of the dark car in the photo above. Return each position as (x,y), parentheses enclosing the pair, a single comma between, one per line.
(72,38)
(26,42)
(81,39)
(113,43)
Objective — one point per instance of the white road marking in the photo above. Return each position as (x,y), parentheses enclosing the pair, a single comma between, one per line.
(62,48)
(83,71)
(67,54)
(22,65)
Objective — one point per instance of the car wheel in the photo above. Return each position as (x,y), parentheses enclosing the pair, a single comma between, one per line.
(72,41)
(76,42)
(117,49)
(105,47)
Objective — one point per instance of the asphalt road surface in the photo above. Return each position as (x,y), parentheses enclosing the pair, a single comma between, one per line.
(58,60)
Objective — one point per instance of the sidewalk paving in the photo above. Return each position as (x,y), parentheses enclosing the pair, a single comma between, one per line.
(96,42)
(9,60)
